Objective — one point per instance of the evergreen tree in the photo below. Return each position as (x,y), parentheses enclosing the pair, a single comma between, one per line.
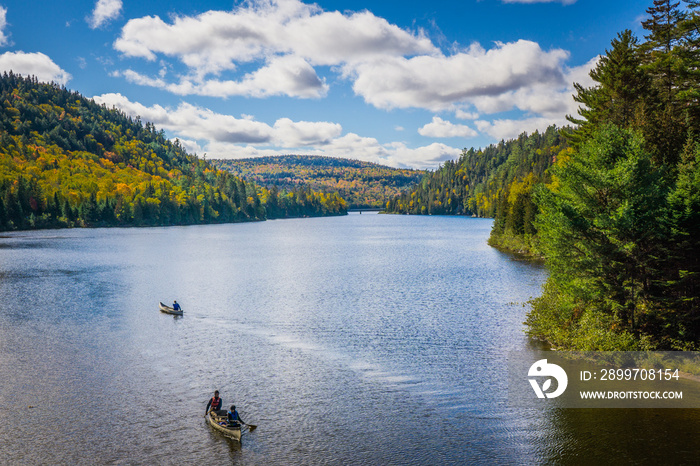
(666,126)
(621,89)
(662,60)
(602,228)
(3,214)
(680,318)
(689,71)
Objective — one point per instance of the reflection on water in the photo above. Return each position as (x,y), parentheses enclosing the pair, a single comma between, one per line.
(361,339)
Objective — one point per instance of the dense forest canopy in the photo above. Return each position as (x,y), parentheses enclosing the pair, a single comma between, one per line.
(612,203)
(67,161)
(361,184)
(620,221)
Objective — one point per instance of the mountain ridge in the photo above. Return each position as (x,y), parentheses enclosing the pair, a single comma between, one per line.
(362,184)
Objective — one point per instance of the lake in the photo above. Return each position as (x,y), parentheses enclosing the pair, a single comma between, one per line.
(364,339)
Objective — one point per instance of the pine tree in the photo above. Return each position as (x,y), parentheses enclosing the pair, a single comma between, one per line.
(601,224)
(618,96)
(3,214)
(682,319)
(664,36)
(665,129)
(689,71)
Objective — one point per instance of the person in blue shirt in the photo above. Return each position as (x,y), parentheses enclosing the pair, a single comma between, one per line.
(176,306)
(234,418)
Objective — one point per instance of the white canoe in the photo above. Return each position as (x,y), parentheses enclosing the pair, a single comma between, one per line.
(169,310)
(219,423)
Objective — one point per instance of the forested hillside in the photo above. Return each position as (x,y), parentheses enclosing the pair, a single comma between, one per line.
(493,182)
(620,221)
(613,204)
(361,184)
(66,161)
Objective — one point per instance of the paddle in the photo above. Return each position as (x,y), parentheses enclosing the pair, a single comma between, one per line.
(250,427)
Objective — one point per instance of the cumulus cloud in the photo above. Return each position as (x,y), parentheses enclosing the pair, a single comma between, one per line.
(197,123)
(105,11)
(439,128)
(429,156)
(4,40)
(440,82)
(287,36)
(291,76)
(510,128)
(215,40)
(546,106)
(268,48)
(33,64)
(225,136)
(395,154)
(464,115)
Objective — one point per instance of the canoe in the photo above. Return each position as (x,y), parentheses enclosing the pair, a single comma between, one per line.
(219,422)
(169,310)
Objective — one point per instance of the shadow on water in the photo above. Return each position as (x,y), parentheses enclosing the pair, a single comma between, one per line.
(615,436)
(621,436)
(234,446)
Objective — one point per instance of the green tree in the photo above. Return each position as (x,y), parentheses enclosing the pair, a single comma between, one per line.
(680,318)
(689,71)
(663,39)
(666,124)
(602,227)
(621,89)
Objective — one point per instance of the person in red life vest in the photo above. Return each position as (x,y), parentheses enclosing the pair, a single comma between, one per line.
(215,403)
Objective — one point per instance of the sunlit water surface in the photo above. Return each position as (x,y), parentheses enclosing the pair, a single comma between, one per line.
(365,339)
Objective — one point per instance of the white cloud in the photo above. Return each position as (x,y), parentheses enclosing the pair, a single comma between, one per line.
(224,136)
(350,145)
(290,133)
(291,76)
(105,11)
(429,156)
(33,64)
(4,40)
(440,82)
(509,128)
(215,40)
(281,43)
(463,115)
(545,106)
(268,48)
(197,123)
(439,128)
(286,36)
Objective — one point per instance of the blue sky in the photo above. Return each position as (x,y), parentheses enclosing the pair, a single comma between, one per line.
(403,83)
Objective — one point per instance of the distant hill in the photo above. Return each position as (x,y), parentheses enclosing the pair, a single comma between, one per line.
(66,161)
(480,181)
(361,184)
(497,181)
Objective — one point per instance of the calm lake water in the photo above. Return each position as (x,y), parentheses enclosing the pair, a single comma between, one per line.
(365,339)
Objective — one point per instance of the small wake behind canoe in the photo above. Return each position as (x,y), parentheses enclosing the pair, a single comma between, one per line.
(170,310)
(219,422)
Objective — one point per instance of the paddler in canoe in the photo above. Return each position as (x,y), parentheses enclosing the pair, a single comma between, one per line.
(215,403)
